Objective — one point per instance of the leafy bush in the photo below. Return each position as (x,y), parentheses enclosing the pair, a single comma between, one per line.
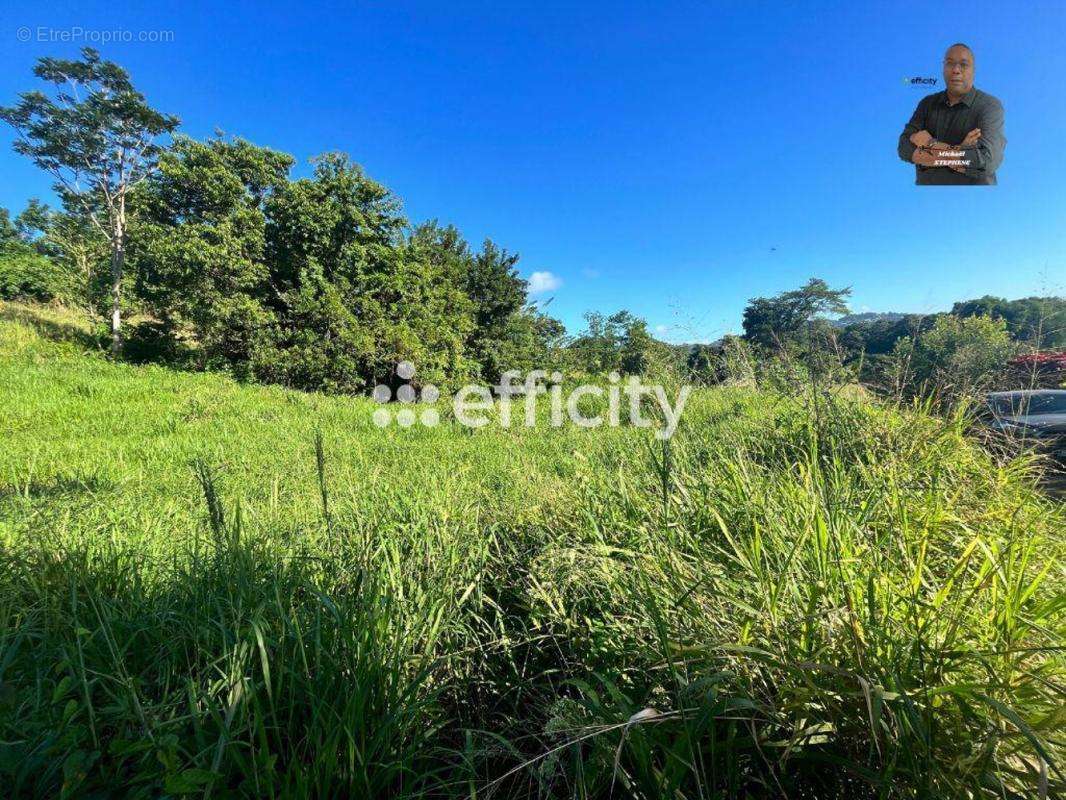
(26,275)
(1040,321)
(154,342)
(954,358)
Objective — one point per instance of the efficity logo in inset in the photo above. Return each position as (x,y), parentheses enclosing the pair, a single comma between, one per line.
(473,405)
(918,81)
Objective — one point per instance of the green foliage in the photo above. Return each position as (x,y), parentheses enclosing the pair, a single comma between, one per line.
(737,363)
(199,245)
(827,618)
(335,249)
(95,117)
(26,274)
(9,233)
(309,283)
(1039,321)
(530,341)
(70,240)
(505,332)
(795,342)
(877,337)
(701,364)
(294,682)
(791,316)
(620,343)
(154,342)
(323,344)
(956,357)
(498,294)
(97,136)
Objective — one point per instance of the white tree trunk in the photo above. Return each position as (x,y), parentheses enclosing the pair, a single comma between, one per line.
(118,255)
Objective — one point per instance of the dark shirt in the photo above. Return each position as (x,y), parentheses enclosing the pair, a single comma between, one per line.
(950,124)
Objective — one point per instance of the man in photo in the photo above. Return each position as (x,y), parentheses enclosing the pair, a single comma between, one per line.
(955,136)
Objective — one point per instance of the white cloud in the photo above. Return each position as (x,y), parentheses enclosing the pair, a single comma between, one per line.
(540,282)
(662,328)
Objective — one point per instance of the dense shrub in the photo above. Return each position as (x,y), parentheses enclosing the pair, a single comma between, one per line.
(26,275)
(1039,321)
(155,342)
(954,358)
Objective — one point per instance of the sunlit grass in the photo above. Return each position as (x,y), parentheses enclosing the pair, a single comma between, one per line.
(221,590)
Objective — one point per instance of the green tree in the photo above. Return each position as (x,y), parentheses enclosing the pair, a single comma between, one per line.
(531,340)
(598,348)
(97,136)
(792,316)
(72,243)
(638,348)
(352,298)
(498,294)
(878,337)
(508,333)
(1039,321)
(26,273)
(199,244)
(737,364)
(9,233)
(956,357)
(701,363)
(620,342)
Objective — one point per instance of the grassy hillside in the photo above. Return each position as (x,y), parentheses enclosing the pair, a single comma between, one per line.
(221,590)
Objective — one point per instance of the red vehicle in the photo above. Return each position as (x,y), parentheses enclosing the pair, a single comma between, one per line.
(1042,369)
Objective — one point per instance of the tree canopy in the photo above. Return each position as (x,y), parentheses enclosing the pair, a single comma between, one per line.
(98,137)
(774,321)
(322,282)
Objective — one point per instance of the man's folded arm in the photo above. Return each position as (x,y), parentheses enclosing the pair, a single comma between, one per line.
(986,156)
(917,122)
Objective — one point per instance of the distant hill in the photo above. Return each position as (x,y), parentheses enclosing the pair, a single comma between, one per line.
(868,316)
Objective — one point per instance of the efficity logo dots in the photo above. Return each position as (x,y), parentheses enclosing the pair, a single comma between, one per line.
(405,396)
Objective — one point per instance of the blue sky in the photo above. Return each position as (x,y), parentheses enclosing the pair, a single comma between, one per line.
(674,159)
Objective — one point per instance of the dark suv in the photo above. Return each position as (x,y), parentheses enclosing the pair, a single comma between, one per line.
(1037,415)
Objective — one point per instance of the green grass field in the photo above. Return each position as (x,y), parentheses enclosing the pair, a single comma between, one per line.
(219,590)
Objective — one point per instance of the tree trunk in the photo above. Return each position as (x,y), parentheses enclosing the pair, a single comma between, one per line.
(118,255)
(81,258)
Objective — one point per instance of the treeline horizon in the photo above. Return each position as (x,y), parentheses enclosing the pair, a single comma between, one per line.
(225,261)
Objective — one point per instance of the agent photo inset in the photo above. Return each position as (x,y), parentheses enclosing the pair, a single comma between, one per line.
(955,137)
